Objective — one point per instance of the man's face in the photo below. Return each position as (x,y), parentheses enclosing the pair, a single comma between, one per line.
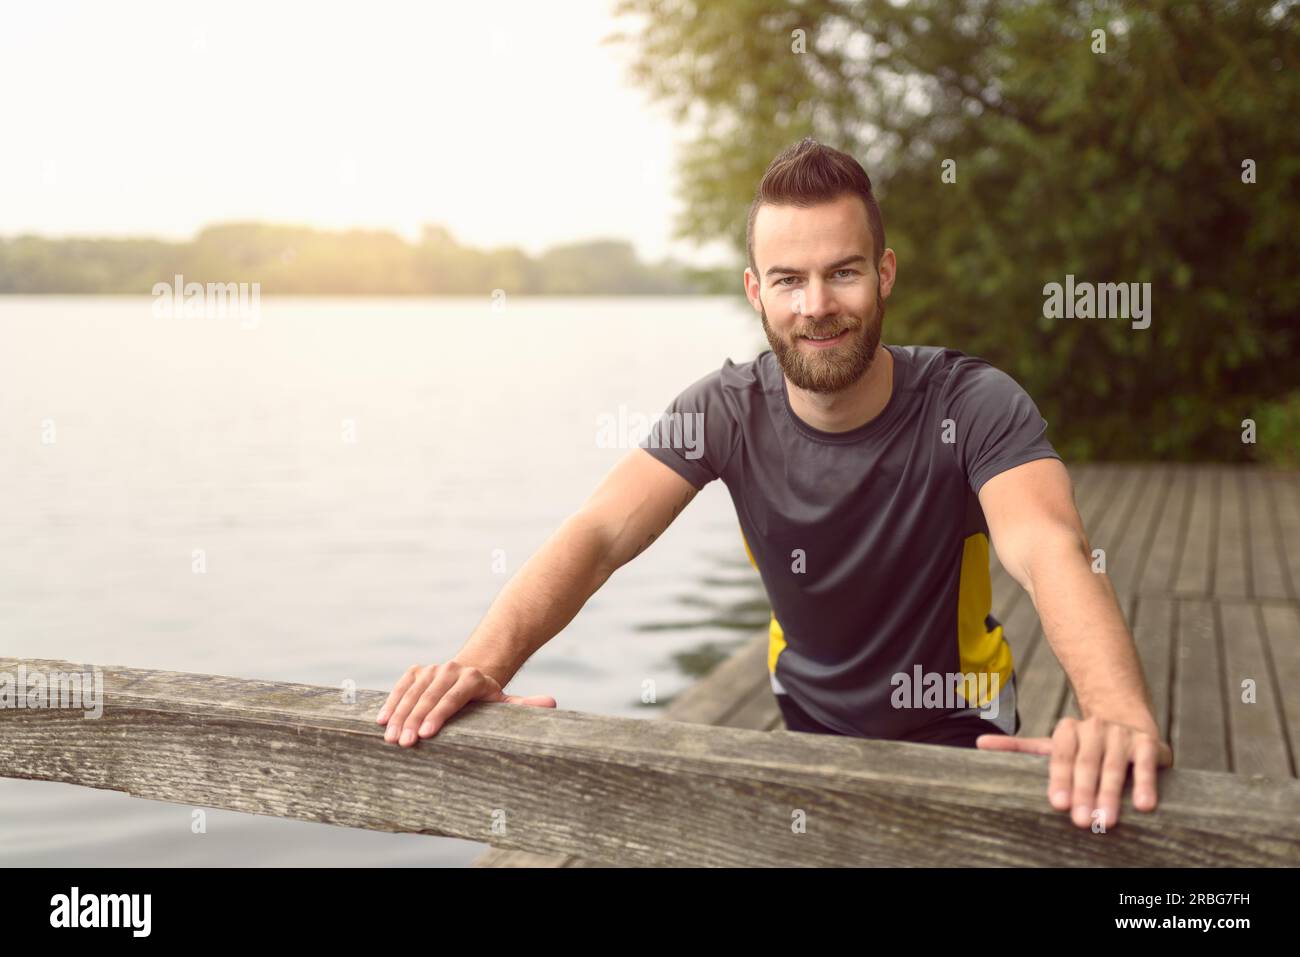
(819,279)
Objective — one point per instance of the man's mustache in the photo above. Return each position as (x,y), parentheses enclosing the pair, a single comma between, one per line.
(829,330)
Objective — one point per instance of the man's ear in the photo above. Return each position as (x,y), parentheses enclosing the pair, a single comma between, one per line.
(753,288)
(887,270)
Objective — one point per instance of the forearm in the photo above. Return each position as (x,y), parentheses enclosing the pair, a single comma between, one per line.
(1085,627)
(539,600)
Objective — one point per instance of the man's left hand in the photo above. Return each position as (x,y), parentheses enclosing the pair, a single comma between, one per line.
(1089,764)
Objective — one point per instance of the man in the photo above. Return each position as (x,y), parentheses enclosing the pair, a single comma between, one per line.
(868,480)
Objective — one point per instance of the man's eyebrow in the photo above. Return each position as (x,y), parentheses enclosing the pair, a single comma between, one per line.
(833,266)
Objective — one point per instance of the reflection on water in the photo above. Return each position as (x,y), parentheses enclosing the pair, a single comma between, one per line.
(327,559)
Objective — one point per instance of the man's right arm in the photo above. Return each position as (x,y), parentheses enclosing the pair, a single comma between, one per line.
(631,507)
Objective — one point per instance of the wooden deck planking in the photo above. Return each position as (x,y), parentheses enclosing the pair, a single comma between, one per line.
(1282,645)
(1196,565)
(1232,555)
(1198,732)
(1113,526)
(1284,500)
(1267,565)
(1158,570)
(1124,562)
(1254,720)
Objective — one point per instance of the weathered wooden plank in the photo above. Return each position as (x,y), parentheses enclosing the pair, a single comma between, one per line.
(1254,720)
(1232,554)
(1199,727)
(1284,499)
(1196,565)
(1282,630)
(1157,576)
(737,693)
(630,791)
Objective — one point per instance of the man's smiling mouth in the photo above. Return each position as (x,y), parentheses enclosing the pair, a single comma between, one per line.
(825,340)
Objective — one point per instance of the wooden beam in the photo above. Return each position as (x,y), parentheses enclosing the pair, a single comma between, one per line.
(616,789)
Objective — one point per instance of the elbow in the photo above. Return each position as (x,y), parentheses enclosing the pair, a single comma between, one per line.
(1051,552)
(586,535)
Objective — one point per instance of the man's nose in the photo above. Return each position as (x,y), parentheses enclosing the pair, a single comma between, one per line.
(818,300)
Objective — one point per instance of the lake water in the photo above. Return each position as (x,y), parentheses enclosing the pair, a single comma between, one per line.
(348,469)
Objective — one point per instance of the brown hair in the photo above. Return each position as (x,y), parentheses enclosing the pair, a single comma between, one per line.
(809,173)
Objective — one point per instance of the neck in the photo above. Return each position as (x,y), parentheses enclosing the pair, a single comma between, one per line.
(853,407)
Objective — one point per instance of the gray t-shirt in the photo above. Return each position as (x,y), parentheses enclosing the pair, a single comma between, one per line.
(871,543)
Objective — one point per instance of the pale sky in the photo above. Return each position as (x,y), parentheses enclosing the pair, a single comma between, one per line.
(504,120)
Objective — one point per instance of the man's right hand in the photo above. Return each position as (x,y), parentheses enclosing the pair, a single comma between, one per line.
(425,697)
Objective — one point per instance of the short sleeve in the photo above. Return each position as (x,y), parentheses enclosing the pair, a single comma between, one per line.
(695,435)
(997,426)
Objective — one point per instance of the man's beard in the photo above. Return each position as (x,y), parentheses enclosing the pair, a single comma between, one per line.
(833,369)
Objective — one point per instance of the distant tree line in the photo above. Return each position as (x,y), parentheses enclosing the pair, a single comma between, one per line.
(299,260)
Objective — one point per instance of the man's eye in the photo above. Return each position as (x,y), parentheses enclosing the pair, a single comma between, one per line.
(782,282)
(852,271)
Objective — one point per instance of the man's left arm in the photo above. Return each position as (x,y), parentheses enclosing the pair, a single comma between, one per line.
(1041,542)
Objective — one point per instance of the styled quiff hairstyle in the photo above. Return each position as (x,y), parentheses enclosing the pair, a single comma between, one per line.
(807,174)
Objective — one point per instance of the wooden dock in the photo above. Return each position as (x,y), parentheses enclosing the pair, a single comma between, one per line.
(1205,561)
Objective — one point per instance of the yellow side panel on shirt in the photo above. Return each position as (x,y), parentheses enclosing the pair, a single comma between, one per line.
(775,633)
(981,651)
